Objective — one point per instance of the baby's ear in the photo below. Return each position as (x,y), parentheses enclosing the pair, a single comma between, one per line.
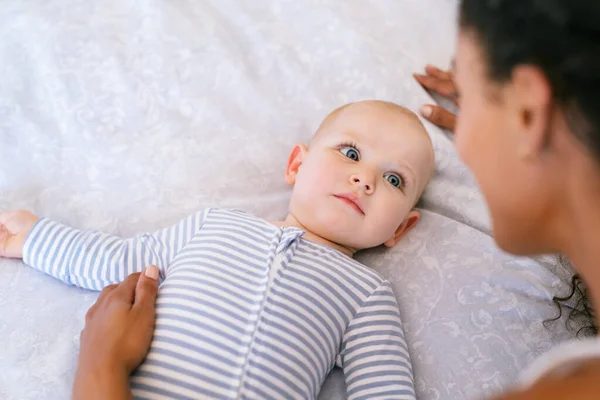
(294,162)
(406,225)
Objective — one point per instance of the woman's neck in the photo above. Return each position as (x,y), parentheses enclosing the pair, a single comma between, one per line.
(585,256)
(582,240)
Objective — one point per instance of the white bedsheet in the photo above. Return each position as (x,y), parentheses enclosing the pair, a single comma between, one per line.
(124,116)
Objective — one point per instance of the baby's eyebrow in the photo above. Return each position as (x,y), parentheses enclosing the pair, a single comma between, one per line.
(351,135)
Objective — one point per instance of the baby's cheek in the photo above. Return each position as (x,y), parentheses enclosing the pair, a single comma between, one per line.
(322,181)
(316,177)
(395,213)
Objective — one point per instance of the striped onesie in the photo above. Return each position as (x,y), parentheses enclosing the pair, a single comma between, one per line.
(245,309)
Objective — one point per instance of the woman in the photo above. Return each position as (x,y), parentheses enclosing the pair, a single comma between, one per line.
(528,74)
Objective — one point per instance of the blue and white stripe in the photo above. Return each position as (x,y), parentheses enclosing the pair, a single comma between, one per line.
(246,310)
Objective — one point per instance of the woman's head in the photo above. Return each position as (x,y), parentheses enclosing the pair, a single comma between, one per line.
(528,74)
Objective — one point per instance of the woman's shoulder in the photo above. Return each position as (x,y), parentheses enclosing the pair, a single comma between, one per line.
(562,360)
(571,371)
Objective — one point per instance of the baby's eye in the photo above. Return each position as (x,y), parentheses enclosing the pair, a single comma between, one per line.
(350,152)
(394,179)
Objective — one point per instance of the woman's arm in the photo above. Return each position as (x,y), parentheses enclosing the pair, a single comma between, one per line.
(101,383)
(116,338)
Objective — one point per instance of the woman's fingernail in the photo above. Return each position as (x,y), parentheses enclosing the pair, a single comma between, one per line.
(426,111)
(152,272)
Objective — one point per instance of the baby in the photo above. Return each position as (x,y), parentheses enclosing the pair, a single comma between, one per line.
(251,309)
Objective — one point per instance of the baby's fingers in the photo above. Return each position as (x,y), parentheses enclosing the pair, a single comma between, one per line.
(4,216)
(7,218)
(11,245)
(3,240)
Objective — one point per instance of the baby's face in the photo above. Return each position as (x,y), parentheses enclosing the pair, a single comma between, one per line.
(362,174)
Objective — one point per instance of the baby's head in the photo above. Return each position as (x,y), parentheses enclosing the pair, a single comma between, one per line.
(357,182)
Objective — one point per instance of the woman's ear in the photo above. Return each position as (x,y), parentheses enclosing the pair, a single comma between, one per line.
(406,225)
(533,103)
(294,162)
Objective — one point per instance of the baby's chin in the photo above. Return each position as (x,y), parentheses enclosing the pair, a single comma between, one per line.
(336,223)
(355,239)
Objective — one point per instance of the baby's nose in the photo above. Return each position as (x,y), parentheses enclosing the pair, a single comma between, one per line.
(364,182)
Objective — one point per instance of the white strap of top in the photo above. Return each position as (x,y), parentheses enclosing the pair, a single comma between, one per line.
(562,360)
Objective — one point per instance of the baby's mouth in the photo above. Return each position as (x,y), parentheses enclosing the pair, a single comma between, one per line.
(351,200)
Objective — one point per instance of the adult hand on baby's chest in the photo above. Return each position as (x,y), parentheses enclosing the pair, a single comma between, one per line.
(119,327)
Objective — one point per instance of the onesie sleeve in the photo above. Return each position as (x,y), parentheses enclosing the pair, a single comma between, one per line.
(374,355)
(93,260)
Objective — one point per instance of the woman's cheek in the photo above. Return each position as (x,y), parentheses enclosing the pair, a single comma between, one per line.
(465,140)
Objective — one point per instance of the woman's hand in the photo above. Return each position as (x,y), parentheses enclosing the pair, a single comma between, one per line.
(441,82)
(116,338)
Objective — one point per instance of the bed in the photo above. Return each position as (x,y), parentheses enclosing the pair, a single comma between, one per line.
(124,116)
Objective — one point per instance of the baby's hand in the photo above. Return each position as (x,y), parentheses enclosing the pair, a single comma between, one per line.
(14,227)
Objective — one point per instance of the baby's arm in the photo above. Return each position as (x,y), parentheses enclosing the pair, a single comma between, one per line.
(93,260)
(374,355)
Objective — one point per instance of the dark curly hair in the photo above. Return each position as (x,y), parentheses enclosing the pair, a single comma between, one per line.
(561,38)
(577,304)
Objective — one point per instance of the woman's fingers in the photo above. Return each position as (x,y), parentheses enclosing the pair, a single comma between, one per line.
(439,116)
(146,290)
(441,82)
(107,290)
(126,289)
(438,73)
(444,87)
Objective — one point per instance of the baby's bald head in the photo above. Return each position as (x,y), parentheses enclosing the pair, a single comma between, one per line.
(376,118)
(372,105)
